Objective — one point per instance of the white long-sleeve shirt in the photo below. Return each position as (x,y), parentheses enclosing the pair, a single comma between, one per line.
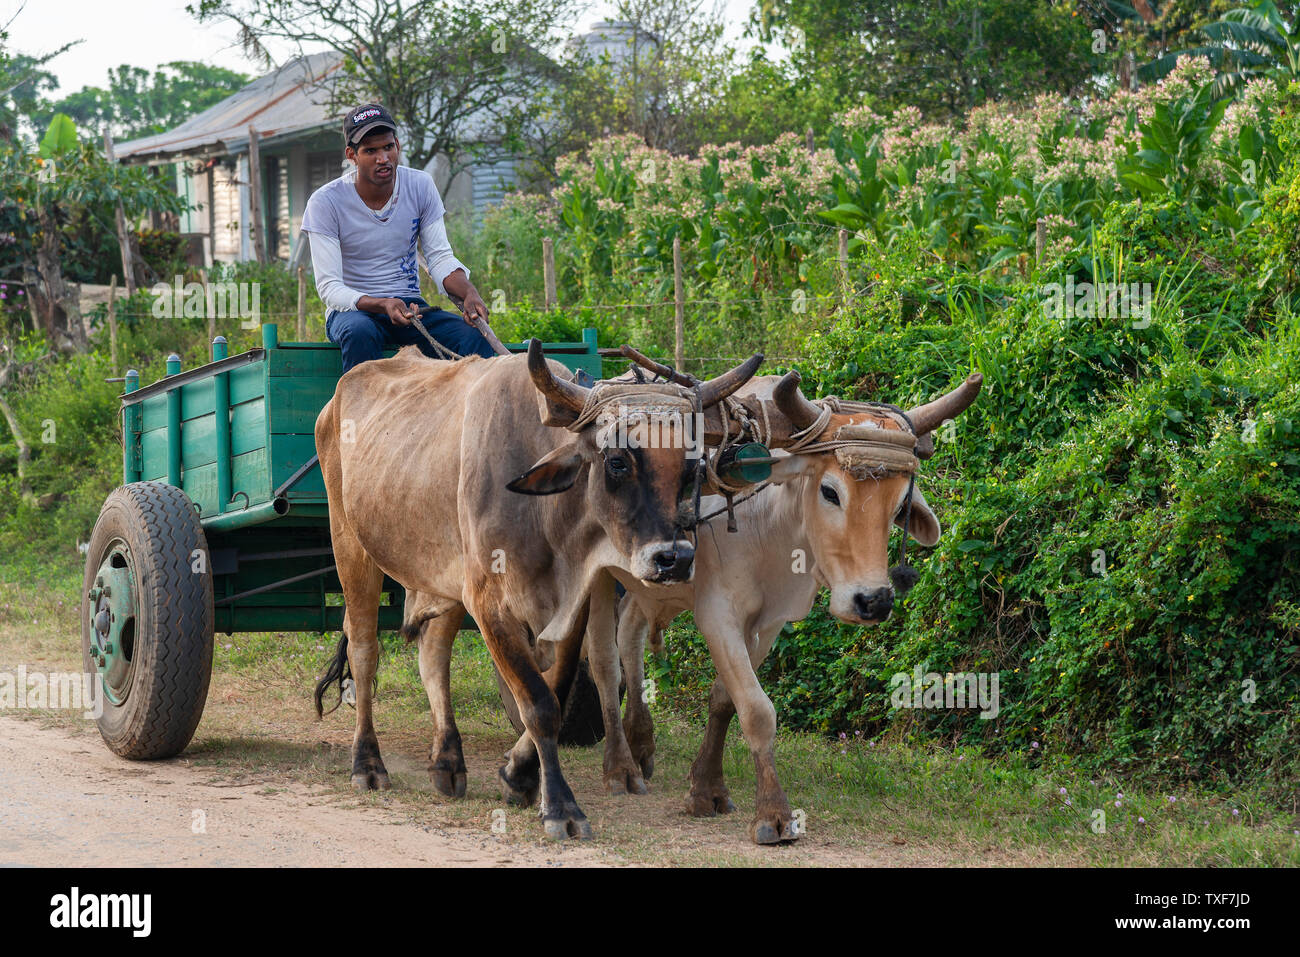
(357,251)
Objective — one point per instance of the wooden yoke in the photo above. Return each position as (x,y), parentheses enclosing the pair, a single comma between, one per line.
(714,427)
(782,430)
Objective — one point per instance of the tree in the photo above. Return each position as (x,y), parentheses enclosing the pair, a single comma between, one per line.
(672,73)
(1148,29)
(942,56)
(137,102)
(462,77)
(656,68)
(13,369)
(23,80)
(1246,42)
(40,194)
(766,98)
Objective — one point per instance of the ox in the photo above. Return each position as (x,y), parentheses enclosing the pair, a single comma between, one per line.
(824,522)
(417,455)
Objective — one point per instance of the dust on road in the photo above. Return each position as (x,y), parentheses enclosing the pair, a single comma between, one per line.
(66,800)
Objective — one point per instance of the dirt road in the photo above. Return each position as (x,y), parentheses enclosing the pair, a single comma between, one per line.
(65,799)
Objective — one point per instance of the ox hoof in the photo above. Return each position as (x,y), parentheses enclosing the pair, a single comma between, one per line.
(625,780)
(449,783)
(563,828)
(773,831)
(370,780)
(520,793)
(709,803)
(642,745)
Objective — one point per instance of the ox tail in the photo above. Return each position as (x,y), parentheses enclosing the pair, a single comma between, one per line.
(338,670)
(410,629)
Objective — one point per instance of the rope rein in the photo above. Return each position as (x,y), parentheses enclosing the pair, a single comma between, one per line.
(438,347)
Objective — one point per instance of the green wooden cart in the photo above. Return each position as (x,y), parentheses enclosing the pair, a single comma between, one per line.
(221,525)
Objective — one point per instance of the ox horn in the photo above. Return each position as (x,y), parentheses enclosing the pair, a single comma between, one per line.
(792,404)
(926,417)
(715,390)
(565,395)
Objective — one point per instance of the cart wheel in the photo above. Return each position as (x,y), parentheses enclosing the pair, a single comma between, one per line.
(146,619)
(582,724)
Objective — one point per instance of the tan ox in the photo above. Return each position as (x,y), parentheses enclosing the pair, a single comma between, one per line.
(417,457)
(819,525)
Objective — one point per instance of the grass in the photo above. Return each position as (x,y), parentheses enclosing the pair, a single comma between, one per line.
(865,802)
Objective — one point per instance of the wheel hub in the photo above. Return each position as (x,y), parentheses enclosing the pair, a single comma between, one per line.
(112,623)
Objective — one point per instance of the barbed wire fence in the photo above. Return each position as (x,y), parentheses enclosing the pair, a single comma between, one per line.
(800,301)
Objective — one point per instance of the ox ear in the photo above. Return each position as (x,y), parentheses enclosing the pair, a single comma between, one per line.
(554,472)
(923,524)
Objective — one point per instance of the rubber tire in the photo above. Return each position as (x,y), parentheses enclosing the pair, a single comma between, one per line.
(582,725)
(174,619)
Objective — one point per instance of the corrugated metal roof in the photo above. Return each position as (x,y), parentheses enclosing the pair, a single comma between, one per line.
(288,100)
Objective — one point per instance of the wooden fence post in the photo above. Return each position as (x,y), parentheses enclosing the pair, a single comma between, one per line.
(1040,239)
(302,304)
(548,270)
(255,196)
(679,302)
(844,265)
(809,141)
(207,307)
(112,319)
(123,237)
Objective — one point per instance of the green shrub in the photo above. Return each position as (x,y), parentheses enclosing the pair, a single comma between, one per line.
(1280,219)
(163,252)
(1173,449)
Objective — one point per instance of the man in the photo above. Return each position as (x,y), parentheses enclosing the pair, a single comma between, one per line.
(364,228)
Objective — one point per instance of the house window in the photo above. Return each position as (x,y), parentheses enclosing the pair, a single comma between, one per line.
(321,168)
(225,213)
(278,227)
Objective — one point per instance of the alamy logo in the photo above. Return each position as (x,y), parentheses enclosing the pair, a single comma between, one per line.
(637,429)
(57,691)
(217,300)
(74,909)
(1102,300)
(932,690)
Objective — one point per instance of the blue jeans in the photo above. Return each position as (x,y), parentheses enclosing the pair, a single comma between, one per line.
(362,336)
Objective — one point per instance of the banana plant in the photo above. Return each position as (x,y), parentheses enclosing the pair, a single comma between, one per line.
(1246,42)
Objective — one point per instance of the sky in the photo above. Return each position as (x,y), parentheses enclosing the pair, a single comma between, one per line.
(147,33)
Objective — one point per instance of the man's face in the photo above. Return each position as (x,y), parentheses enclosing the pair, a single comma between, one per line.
(376,158)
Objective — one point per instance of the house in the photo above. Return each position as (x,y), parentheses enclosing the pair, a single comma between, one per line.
(300,148)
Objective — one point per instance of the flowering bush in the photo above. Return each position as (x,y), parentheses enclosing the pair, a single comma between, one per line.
(765,218)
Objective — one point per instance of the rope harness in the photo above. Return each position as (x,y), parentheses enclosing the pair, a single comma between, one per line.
(652,400)
(613,404)
(863,449)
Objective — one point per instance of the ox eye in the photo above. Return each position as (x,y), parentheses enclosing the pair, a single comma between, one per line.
(617,466)
(830,495)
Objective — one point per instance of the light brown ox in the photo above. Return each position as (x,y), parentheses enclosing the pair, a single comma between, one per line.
(417,456)
(817,526)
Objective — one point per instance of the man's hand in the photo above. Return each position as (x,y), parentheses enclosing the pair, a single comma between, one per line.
(462,292)
(399,313)
(474,307)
